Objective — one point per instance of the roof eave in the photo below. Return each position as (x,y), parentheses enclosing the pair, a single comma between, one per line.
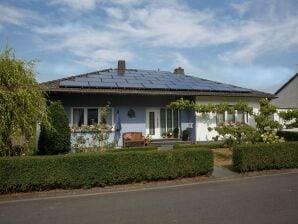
(161,92)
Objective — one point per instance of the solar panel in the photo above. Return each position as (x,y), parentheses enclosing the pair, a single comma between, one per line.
(113,80)
(155,86)
(69,83)
(130,85)
(102,84)
(139,81)
(147,79)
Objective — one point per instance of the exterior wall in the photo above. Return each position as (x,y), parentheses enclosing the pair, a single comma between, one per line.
(288,97)
(204,121)
(123,103)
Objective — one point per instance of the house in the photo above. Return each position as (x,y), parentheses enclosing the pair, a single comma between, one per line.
(287,97)
(140,97)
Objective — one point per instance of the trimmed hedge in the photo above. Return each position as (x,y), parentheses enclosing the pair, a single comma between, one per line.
(214,145)
(288,135)
(265,156)
(85,170)
(134,149)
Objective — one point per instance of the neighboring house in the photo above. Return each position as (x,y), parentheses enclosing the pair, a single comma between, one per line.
(287,97)
(141,97)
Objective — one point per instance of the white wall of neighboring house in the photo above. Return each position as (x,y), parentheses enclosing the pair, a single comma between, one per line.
(206,121)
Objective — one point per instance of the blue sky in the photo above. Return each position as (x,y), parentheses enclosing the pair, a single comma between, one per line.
(251,43)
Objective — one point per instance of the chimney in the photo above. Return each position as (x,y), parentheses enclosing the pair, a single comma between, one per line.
(179,71)
(121,67)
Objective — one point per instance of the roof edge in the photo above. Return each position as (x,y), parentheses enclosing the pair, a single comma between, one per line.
(286,84)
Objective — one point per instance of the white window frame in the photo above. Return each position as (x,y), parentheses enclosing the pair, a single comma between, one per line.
(166,119)
(86,115)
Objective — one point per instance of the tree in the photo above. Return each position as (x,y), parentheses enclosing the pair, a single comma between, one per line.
(55,139)
(264,119)
(290,118)
(22,103)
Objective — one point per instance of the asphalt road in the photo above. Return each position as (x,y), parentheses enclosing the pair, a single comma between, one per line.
(267,199)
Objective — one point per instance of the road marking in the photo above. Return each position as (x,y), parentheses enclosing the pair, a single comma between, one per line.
(146,188)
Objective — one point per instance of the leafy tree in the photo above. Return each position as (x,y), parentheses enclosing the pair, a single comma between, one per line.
(55,139)
(264,117)
(290,118)
(238,133)
(22,103)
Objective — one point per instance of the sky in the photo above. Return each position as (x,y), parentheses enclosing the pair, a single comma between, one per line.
(253,43)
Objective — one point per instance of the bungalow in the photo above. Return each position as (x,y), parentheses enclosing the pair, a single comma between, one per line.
(140,98)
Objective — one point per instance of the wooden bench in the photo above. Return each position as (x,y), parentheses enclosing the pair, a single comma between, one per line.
(133,139)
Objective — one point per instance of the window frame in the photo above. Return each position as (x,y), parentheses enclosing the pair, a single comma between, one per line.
(86,115)
(166,120)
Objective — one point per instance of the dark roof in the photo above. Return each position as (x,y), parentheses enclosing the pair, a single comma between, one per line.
(147,82)
(286,84)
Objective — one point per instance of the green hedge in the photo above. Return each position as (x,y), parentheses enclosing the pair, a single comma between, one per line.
(288,135)
(214,145)
(265,156)
(85,170)
(134,149)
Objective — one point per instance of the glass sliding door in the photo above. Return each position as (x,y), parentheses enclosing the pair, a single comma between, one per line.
(163,122)
(169,120)
(151,123)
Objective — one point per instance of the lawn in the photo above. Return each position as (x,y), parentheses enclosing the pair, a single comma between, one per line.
(223,157)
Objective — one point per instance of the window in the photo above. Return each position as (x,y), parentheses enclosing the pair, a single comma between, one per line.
(163,122)
(169,120)
(220,118)
(89,116)
(240,116)
(230,117)
(92,116)
(78,117)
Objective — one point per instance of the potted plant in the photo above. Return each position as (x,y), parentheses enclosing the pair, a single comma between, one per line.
(185,135)
(170,134)
(148,140)
(176,132)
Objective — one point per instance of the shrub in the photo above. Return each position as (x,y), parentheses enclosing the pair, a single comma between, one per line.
(265,156)
(271,137)
(55,139)
(134,149)
(212,145)
(288,135)
(185,135)
(86,170)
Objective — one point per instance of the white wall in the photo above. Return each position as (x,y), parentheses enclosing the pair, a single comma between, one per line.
(204,121)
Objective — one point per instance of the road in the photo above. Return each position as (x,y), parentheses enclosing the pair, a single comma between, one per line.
(267,199)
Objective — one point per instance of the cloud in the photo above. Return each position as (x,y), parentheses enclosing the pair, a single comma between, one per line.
(241,8)
(173,26)
(14,16)
(114,12)
(79,5)
(87,5)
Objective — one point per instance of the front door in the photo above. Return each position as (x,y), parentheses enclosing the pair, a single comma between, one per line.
(153,122)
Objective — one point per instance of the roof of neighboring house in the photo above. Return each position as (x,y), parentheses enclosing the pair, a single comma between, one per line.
(147,82)
(286,84)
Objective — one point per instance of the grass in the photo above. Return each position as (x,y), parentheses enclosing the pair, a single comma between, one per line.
(223,158)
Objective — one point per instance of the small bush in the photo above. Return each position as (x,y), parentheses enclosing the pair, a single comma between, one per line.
(265,156)
(55,139)
(214,145)
(85,170)
(185,135)
(288,135)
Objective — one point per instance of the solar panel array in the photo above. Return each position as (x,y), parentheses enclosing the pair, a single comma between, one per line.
(145,79)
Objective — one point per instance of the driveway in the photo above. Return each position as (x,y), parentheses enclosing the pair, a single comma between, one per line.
(264,199)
